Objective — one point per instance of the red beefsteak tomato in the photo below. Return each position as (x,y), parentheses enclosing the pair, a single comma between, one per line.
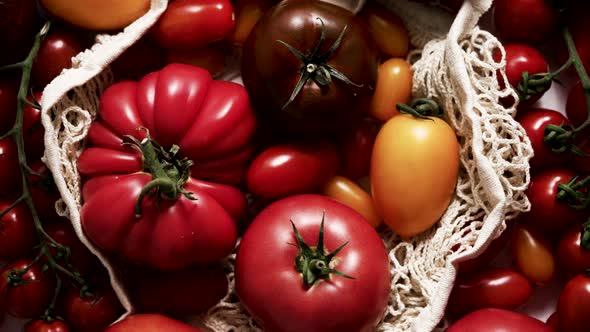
(309,263)
(146,205)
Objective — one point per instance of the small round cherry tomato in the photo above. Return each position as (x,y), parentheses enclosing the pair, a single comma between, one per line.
(394,86)
(17,232)
(533,255)
(55,54)
(142,58)
(388,30)
(91,314)
(524,20)
(349,193)
(211,57)
(39,325)
(553,321)
(491,252)
(355,148)
(534,121)
(573,305)
(8,95)
(498,320)
(191,24)
(30,296)
(548,215)
(410,191)
(62,232)
(98,14)
(248,12)
(289,169)
(521,58)
(10,180)
(493,288)
(572,258)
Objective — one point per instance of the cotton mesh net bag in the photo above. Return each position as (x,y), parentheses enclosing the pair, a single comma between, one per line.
(453,64)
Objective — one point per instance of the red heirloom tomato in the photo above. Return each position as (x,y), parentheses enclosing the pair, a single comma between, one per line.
(573,305)
(93,313)
(524,20)
(17,232)
(40,325)
(534,121)
(179,293)
(549,215)
(150,323)
(327,269)
(28,296)
(498,320)
(191,24)
(289,169)
(190,119)
(310,67)
(572,257)
(492,288)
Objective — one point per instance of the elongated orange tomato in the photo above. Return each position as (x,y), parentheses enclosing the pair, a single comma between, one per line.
(414,169)
(394,86)
(352,195)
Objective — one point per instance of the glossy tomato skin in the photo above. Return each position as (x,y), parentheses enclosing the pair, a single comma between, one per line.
(27,300)
(356,147)
(91,314)
(495,320)
(403,177)
(10,179)
(521,58)
(98,14)
(212,123)
(394,86)
(270,71)
(573,305)
(534,121)
(39,325)
(572,258)
(528,21)
(289,169)
(190,24)
(350,194)
(533,255)
(548,215)
(17,232)
(150,323)
(492,288)
(55,54)
(177,294)
(357,304)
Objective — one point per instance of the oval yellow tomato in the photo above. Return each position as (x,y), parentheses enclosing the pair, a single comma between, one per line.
(394,86)
(414,168)
(98,14)
(352,195)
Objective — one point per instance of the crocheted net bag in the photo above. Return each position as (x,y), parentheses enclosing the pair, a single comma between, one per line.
(453,64)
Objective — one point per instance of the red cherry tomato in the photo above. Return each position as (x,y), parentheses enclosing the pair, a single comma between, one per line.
(524,20)
(10,180)
(548,215)
(17,232)
(356,147)
(91,314)
(493,288)
(532,255)
(40,325)
(190,24)
(18,25)
(573,305)
(179,293)
(576,109)
(30,297)
(55,54)
(491,252)
(8,95)
(571,256)
(534,121)
(498,320)
(521,58)
(289,169)
(43,191)
(63,233)
(150,323)
(142,58)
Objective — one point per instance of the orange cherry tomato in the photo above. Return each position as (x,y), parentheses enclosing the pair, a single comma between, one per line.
(387,29)
(533,255)
(211,57)
(352,195)
(414,170)
(98,14)
(248,12)
(394,86)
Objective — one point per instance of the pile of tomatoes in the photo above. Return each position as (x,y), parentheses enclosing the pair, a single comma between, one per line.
(306,162)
